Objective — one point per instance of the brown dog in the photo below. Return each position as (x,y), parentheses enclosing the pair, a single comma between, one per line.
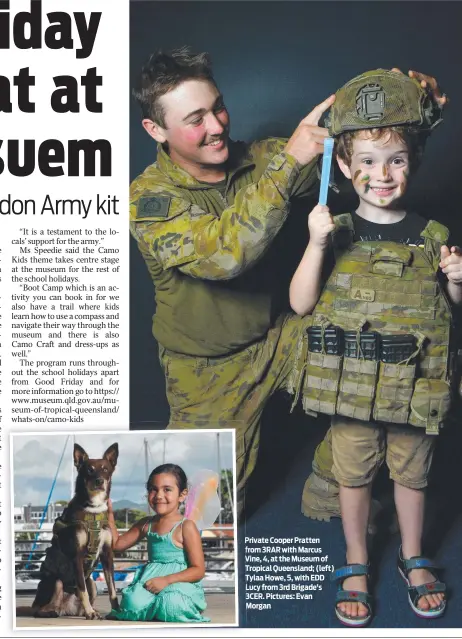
(81,536)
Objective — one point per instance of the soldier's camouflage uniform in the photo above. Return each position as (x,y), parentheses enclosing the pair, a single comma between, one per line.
(222,348)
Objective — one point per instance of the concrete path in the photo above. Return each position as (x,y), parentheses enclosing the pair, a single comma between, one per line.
(220,608)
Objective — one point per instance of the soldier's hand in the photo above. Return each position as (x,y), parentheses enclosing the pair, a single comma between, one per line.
(428,82)
(451,263)
(307,141)
(320,225)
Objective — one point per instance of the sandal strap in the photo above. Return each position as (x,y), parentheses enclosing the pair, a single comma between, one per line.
(426,589)
(418,562)
(350,570)
(354,596)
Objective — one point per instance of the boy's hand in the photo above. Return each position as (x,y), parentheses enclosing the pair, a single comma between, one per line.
(428,82)
(156,584)
(307,141)
(320,225)
(109,507)
(451,263)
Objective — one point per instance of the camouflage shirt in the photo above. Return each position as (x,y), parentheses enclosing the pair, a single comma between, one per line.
(204,249)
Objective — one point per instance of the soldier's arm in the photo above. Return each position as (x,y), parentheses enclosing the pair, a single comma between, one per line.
(305,144)
(205,246)
(307,181)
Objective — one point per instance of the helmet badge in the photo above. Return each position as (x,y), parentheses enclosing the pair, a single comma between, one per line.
(370,102)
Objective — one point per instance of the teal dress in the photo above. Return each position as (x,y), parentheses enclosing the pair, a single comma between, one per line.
(178,602)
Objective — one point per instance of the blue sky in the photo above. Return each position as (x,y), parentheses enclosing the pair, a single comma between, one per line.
(36,458)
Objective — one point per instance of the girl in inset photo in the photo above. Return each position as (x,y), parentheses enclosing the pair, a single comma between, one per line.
(168,587)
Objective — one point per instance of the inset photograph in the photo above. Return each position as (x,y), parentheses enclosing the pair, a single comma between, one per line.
(112,529)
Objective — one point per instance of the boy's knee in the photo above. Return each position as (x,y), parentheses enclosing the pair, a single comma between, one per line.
(409,456)
(414,485)
(358,451)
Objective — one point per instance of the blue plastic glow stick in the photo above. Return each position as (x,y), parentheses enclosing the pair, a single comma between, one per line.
(325,174)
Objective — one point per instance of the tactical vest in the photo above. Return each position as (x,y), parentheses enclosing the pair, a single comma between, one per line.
(379,343)
(94,523)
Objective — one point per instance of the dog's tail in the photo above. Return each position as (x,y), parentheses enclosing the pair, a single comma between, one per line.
(25,611)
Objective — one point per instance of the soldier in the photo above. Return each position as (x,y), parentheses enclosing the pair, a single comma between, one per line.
(379,345)
(205,216)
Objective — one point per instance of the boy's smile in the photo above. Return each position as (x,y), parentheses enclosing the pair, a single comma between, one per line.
(379,171)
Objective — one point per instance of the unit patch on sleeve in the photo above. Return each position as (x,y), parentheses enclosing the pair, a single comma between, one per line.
(153,206)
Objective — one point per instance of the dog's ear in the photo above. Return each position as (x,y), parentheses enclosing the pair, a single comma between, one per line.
(80,456)
(112,454)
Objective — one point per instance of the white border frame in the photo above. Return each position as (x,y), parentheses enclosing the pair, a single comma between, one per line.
(128,625)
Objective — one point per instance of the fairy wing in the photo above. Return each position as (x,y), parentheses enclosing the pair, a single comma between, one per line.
(203,504)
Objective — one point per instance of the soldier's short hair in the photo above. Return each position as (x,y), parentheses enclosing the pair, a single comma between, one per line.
(412,137)
(164,72)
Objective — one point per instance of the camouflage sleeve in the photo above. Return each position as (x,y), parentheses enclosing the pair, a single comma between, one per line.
(200,244)
(307,182)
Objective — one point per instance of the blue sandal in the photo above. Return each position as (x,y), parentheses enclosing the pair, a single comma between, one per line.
(416,592)
(354,596)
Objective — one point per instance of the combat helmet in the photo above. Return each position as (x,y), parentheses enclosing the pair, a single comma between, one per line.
(382,98)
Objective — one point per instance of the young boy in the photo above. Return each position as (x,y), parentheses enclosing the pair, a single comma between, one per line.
(379,344)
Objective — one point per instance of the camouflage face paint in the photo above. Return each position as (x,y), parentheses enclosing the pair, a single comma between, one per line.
(402,188)
(365,180)
(384,170)
(406,174)
(381,201)
(358,172)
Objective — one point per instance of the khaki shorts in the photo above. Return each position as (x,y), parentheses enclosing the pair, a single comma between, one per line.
(360,448)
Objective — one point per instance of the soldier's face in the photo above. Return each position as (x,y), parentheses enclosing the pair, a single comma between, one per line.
(379,169)
(197,124)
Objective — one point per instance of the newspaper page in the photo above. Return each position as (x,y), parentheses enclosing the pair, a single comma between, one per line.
(64,255)
(230,400)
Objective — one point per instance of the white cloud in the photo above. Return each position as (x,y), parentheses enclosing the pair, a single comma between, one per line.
(36,459)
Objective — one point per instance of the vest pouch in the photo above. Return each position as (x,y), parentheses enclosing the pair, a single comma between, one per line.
(430,403)
(394,392)
(357,388)
(321,382)
(390,260)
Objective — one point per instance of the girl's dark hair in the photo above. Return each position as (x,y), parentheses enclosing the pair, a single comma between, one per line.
(171,469)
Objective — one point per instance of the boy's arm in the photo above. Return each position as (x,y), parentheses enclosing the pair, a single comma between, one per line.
(451,265)
(454,292)
(306,282)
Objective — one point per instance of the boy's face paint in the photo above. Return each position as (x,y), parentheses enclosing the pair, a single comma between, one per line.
(364,181)
(384,168)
